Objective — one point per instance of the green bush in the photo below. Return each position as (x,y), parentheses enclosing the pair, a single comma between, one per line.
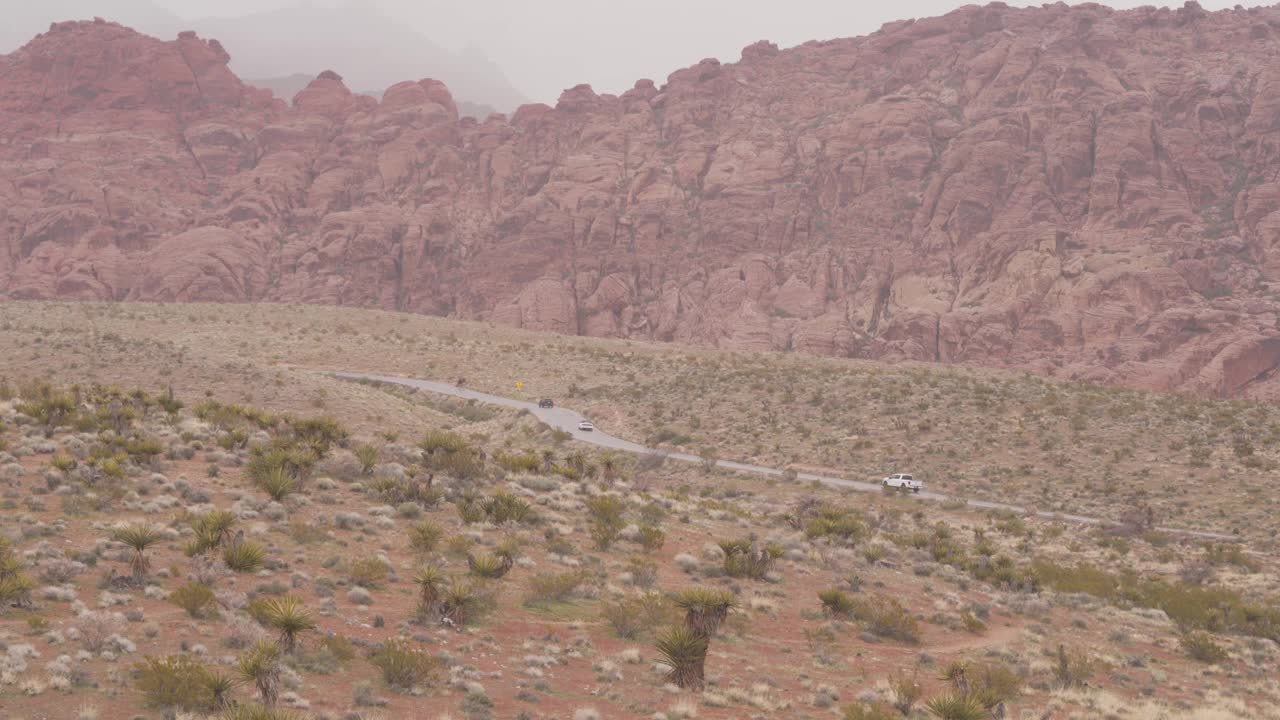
(404,666)
(606,512)
(633,616)
(836,603)
(1201,647)
(652,538)
(871,711)
(553,587)
(685,652)
(886,617)
(367,573)
(197,599)
(178,682)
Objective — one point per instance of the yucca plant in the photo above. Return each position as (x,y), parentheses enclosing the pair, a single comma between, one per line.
(425,536)
(431,583)
(278,482)
(139,537)
(705,609)
(286,615)
(244,556)
(367,456)
(460,604)
(685,652)
(956,706)
(490,567)
(220,685)
(260,665)
(211,530)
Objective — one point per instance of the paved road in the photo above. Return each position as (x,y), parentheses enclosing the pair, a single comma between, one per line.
(567,420)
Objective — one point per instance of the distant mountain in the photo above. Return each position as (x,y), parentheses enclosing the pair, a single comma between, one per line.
(286,87)
(23,20)
(369,50)
(1070,190)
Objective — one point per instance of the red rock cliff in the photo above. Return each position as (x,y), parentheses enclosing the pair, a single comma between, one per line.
(1077,191)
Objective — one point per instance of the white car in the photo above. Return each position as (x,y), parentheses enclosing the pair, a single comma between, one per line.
(903,481)
(586,426)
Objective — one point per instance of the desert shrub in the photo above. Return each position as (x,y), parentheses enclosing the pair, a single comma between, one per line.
(319,434)
(15,585)
(424,536)
(1219,554)
(553,587)
(652,538)
(367,572)
(255,711)
(644,573)
(605,512)
(443,441)
(197,599)
(177,682)
(402,665)
(870,711)
(1191,606)
(633,616)
(1072,668)
(505,507)
(328,654)
(273,465)
(837,524)
(746,558)
(1200,646)
(397,491)
(906,692)
(836,603)
(886,617)
(244,556)
(524,462)
(685,652)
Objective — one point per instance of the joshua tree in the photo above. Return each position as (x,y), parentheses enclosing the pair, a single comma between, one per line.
(138,537)
(431,581)
(685,651)
(705,609)
(261,666)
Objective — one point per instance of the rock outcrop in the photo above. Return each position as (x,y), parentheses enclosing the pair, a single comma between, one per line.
(1080,192)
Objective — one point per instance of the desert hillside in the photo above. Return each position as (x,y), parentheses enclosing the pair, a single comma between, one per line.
(1077,191)
(197,521)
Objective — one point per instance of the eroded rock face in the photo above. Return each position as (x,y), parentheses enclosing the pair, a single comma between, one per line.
(1079,192)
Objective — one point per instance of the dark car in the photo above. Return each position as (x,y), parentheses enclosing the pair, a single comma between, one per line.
(546,403)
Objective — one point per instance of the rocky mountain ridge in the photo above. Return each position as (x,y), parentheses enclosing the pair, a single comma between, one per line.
(1080,192)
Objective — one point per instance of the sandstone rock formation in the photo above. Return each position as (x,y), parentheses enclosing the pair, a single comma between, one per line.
(1079,192)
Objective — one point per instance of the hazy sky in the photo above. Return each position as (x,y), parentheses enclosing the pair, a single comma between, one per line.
(544,46)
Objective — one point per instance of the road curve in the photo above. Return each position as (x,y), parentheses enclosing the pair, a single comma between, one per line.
(567,420)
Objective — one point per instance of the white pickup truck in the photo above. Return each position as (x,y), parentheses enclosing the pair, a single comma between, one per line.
(903,481)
